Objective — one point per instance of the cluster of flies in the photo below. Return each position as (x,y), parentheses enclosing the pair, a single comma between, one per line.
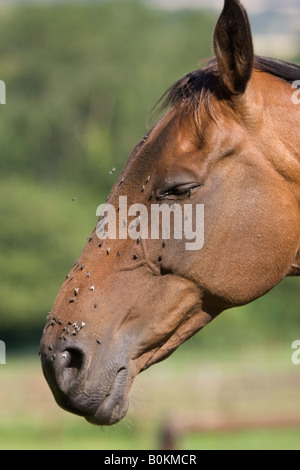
(71,328)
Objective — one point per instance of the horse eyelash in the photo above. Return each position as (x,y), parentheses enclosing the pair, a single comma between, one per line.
(177,194)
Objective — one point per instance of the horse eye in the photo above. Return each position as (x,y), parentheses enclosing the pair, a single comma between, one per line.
(178,192)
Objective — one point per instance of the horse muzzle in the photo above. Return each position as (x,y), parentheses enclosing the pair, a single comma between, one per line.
(99,394)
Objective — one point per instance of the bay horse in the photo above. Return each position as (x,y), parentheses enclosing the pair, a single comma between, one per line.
(227,140)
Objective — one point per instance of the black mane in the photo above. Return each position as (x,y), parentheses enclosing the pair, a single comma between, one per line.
(197,87)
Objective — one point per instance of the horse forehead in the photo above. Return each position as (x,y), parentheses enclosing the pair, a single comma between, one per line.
(176,126)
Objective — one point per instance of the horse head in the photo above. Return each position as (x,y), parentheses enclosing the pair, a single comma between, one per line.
(224,154)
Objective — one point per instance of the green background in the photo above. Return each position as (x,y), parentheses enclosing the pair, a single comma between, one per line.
(81,82)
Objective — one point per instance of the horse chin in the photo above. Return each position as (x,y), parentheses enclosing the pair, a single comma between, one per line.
(115,405)
(110,412)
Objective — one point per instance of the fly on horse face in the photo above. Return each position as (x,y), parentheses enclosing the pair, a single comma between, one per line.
(228,141)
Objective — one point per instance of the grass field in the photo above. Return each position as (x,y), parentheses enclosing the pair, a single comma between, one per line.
(188,385)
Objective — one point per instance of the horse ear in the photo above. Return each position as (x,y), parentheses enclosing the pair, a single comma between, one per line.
(233,47)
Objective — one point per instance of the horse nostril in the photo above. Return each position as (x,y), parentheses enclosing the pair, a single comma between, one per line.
(70,365)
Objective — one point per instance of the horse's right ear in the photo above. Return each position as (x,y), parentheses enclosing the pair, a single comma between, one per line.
(233,47)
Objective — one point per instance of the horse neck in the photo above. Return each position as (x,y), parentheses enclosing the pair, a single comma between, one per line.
(282,140)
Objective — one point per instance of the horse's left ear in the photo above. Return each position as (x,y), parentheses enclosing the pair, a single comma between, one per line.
(233,46)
